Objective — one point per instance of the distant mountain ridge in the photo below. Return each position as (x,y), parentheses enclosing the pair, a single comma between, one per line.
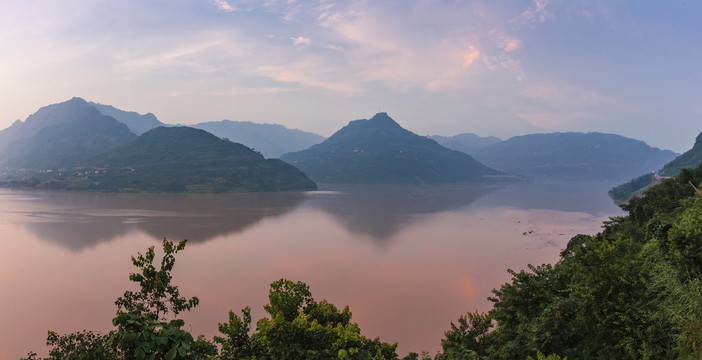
(466,142)
(137,123)
(594,156)
(272,140)
(379,150)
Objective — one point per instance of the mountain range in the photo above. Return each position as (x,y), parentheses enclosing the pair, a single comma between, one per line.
(466,142)
(71,145)
(379,150)
(78,133)
(272,140)
(587,156)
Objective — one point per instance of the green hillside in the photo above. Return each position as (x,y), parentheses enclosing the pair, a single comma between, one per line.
(183,159)
(690,159)
(379,150)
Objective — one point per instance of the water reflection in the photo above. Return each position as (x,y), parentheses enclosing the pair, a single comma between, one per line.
(588,197)
(80,220)
(380,211)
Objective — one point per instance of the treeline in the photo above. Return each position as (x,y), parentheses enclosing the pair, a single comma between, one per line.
(633,291)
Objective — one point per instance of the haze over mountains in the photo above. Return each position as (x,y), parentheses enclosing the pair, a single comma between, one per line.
(378,150)
(594,156)
(61,135)
(466,142)
(272,140)
(72,146)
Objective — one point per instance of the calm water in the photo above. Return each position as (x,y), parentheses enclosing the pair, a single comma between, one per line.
(407,260)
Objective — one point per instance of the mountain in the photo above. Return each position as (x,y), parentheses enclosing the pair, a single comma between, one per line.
(466,142)
(73,146)
(588,156)
(272,140)
(177,159)
(379,150)
(183,159)
(690,159)
(66,134)
(136,122)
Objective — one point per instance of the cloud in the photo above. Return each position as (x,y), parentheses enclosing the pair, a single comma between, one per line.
(307,75)
(250,91)
(538,13)
(301,41)
(557,94)
(224,5)
(470,56)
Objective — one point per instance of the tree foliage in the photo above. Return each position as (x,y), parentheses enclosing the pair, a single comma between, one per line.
(633,291)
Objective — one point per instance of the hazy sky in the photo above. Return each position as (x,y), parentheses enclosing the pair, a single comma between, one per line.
(498,68)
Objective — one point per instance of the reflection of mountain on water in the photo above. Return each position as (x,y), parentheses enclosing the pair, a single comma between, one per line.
(79,220)
(574,196)
(380,211)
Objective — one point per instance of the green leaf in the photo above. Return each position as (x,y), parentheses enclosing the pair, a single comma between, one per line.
(171,354)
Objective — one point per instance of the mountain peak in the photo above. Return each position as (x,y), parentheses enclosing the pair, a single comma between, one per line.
(383,119)
(77,100)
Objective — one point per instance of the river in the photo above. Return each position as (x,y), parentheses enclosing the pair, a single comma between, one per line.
(407,260)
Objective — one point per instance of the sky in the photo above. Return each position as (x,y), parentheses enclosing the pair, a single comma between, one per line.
(438,67)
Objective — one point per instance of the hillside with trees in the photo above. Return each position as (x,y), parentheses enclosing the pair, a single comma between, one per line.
(380,151)
(690,159)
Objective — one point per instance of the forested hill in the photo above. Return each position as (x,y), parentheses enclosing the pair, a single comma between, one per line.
(594,156)
(690,159)
(183,159)
(379,150)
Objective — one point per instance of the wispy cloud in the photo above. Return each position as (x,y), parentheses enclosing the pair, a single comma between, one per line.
(471,56)
(301,41)
(224,5)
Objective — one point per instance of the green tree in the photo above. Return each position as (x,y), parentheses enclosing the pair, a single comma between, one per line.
(143,331)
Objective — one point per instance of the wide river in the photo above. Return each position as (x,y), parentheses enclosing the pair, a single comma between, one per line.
(407,260)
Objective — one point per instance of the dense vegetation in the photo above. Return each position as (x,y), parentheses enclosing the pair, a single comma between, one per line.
(622,193)
(380,151)
(632,291)
(574,155)
(690,159)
